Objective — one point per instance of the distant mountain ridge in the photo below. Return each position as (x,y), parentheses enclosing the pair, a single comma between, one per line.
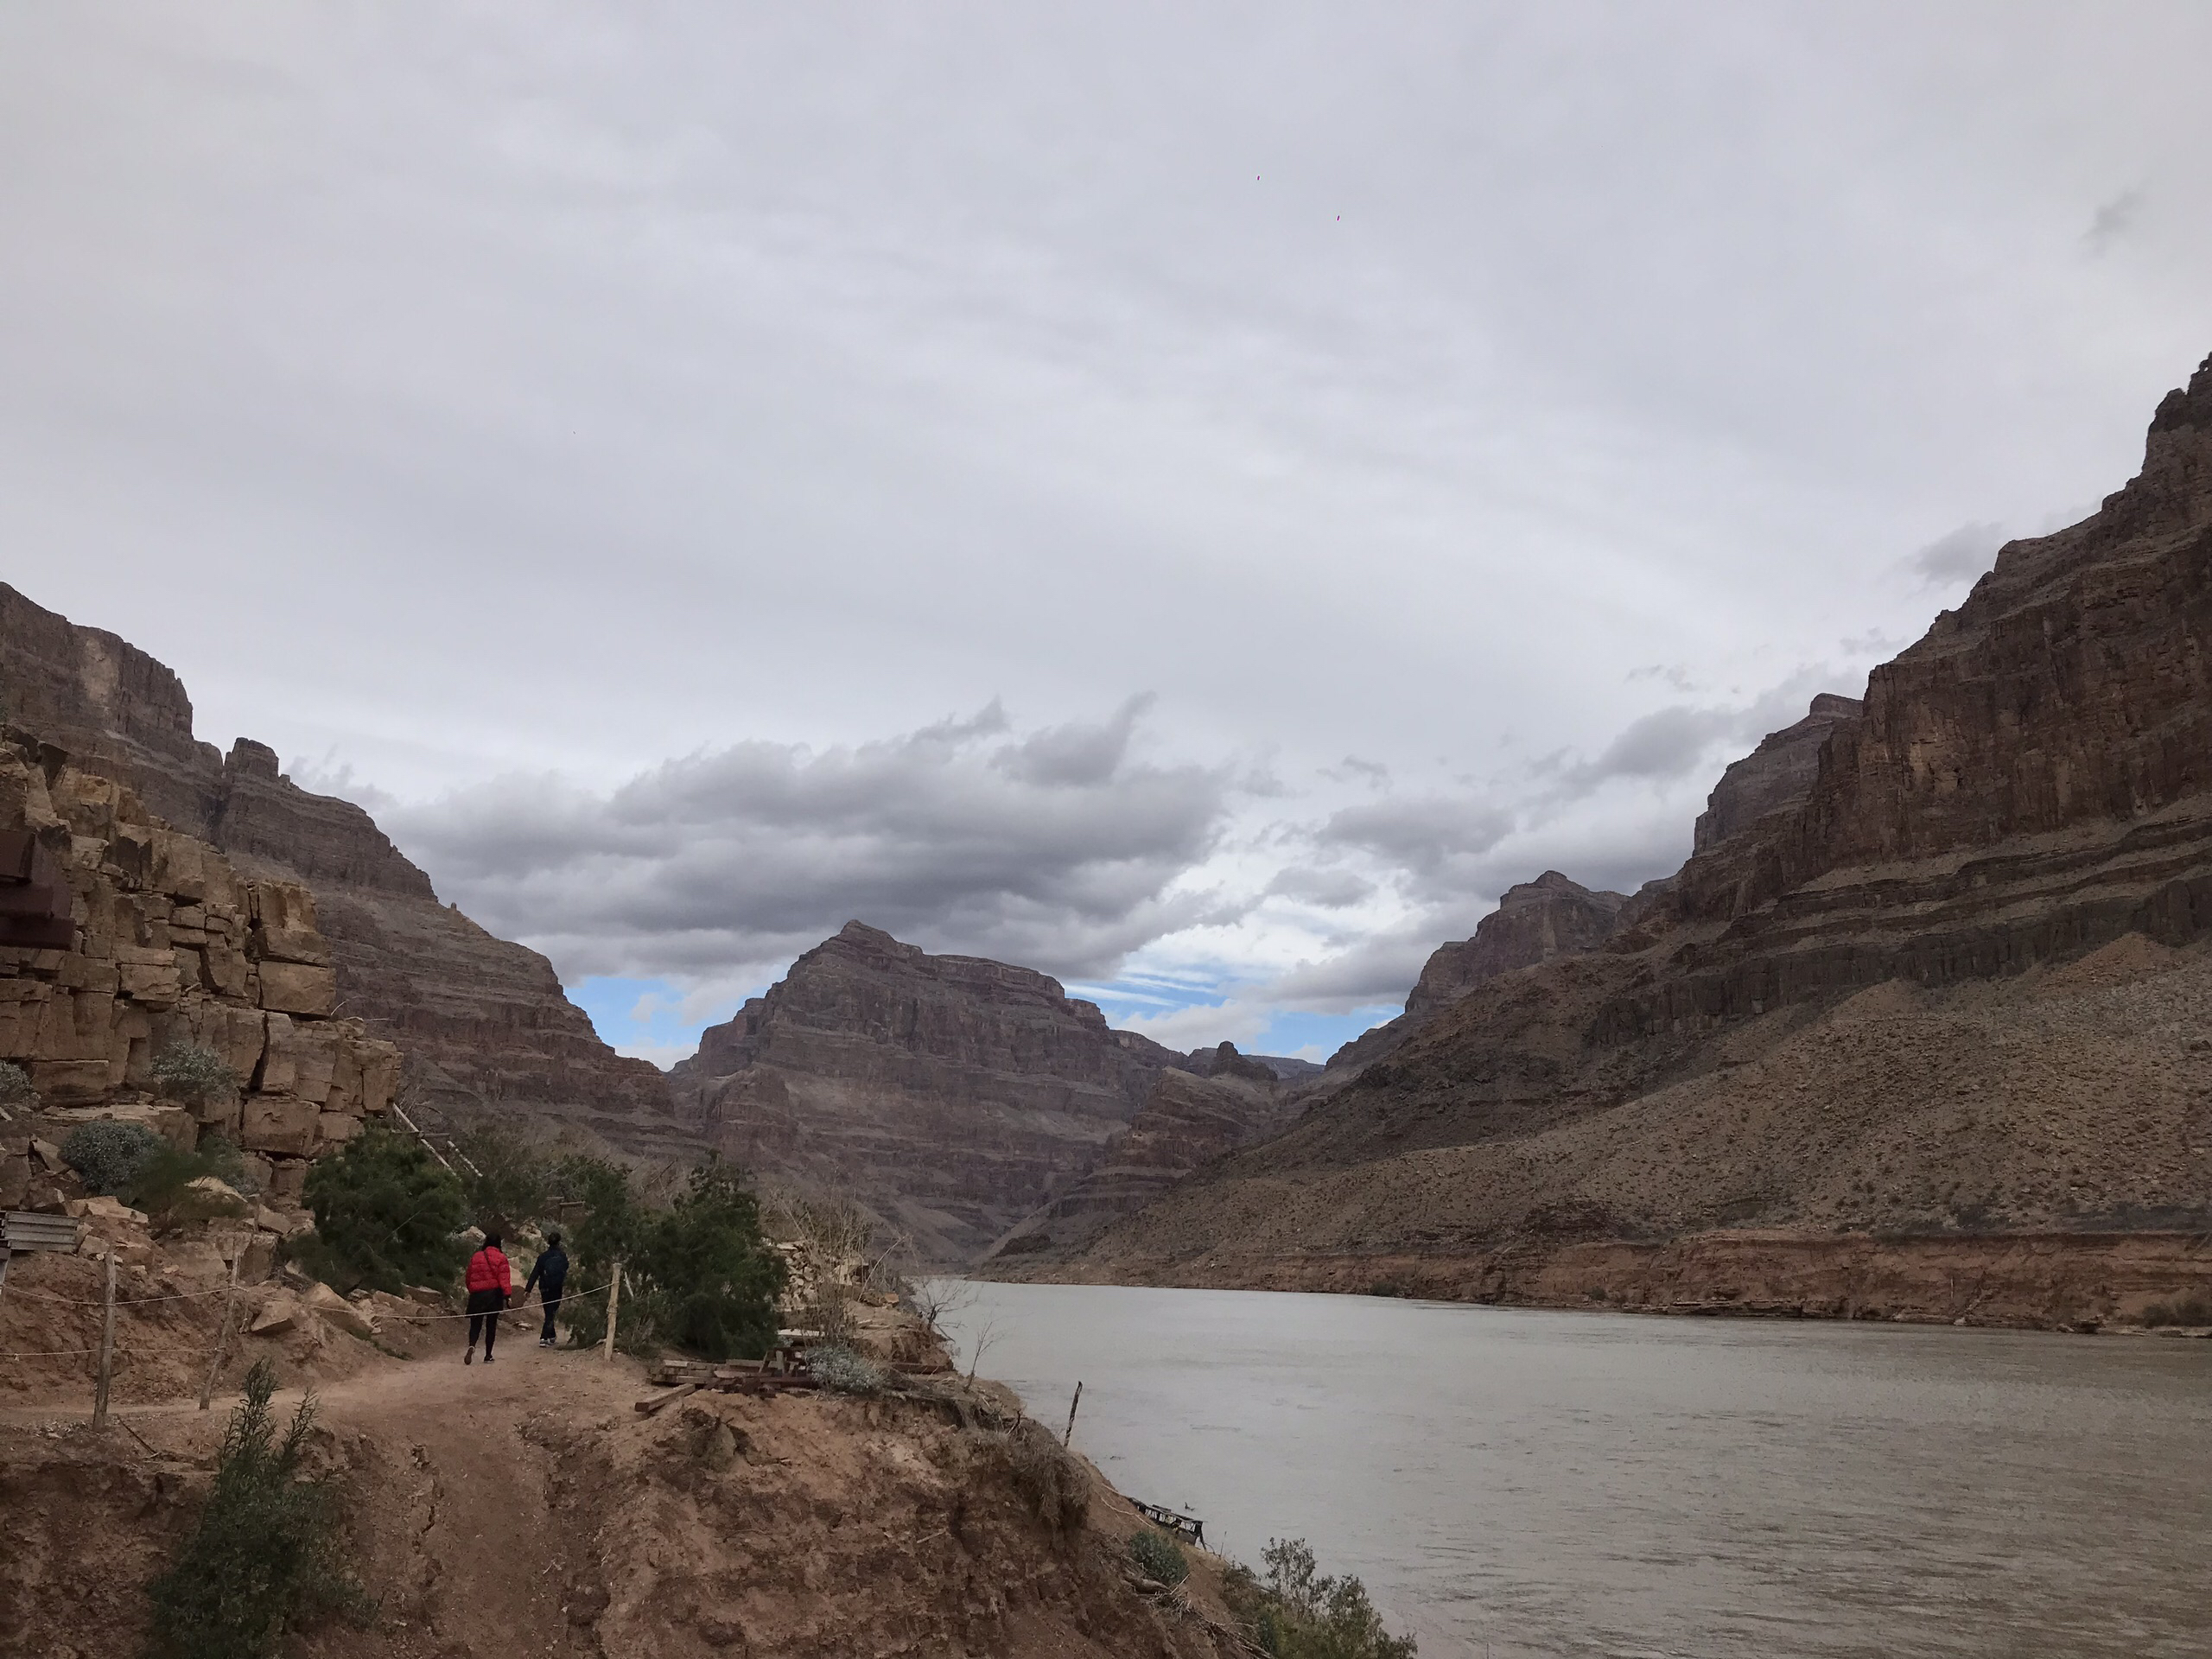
(950,1095)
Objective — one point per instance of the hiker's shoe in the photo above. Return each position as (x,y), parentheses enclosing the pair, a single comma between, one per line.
(469,1357)
(487,1359)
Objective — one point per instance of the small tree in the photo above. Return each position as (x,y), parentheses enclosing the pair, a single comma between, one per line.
(162,1184)
(712,1280)
(268,1555)
(387,1215)
(192,1074)
(107,1155)
(610,1229)
(507,1179)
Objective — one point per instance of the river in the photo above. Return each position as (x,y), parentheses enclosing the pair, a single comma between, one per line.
(1517,1483)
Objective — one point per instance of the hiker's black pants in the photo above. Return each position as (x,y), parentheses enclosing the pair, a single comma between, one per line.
(551,1297)
(483,1309)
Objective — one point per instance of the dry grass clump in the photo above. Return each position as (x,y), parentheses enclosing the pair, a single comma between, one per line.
(1048,1477)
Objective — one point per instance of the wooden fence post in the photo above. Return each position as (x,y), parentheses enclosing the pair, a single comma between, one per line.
(1068,1439)
(223,1336)
(107,1343)
(614,1302)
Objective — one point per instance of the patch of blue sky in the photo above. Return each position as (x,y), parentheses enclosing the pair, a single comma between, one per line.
(1194,1011)
(644,1017)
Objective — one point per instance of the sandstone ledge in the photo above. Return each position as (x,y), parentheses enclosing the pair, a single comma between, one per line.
(2041,1280)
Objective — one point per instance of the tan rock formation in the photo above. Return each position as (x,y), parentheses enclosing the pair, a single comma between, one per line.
(483,1022)
(145,909)
(1952,991)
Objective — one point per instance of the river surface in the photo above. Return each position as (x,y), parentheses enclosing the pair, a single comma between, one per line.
(1513,1483)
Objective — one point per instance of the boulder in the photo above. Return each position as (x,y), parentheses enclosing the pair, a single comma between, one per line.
(336,1310)
(335,1128)
(274,1317)
(296,988)
(284,925)
(103,1208)
(212,1191)
(279,1123)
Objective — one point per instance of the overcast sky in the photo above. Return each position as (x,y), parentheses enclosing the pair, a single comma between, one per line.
(1194,499)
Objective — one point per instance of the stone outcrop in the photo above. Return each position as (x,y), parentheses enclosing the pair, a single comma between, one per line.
(1187,1120)
(1952,989)
(1778,775)
(1534,922)
(949,1094)
(147,939)
(483,1022)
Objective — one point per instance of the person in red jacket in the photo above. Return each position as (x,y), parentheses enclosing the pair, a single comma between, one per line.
(490,1281)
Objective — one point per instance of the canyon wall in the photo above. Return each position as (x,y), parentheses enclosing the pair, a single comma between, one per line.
(948,1094)
(1944,979)
(483,1022)
(121,937)
(1534,922)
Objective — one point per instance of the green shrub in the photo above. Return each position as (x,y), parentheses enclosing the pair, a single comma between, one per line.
(1296,1612)
(841,1371)
(15,1091)
(106,1155)
(162,1185)
(387,1215)
(193,1075)
(268,1555)
(608,1230)
(710,1280)
(1158,1557)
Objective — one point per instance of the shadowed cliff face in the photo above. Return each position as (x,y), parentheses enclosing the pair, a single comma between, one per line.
(1948,981)
(948,1094)
(482,1020)
(1534,922)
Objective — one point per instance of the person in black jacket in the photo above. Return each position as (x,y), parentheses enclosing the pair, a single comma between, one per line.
(548,1273)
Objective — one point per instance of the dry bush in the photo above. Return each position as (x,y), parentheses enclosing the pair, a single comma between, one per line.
(1047,1475)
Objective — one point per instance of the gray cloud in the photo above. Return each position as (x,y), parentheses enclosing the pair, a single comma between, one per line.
(1438,841)
(2114,219)
(1053,847)
(1330,889)
(1952,560)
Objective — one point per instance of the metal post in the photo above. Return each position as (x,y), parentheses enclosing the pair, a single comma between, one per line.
(1068,1439)
(614,1302)
(107,1343)
(223,1337)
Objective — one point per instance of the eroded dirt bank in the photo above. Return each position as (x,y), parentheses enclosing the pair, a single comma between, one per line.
(529,1508)
(2026,1280)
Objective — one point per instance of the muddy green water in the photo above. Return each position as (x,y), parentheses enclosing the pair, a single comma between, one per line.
(1513,1483)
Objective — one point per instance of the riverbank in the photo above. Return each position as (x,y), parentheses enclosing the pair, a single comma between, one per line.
(2015,1281)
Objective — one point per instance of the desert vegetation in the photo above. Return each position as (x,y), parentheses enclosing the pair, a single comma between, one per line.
(1291,1610)
(267,1555)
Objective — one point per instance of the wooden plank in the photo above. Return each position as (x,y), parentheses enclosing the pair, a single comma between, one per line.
(649,1407)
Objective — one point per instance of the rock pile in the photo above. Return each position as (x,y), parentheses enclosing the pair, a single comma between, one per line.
(147,939)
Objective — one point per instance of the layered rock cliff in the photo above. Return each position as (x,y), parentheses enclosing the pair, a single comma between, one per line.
(1534,922)
(120,938)
(1956,986)
(950,1095)
(1188,1119)
(482,1021)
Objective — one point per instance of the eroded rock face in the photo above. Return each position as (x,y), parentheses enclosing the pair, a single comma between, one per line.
(1534,922)
(164,943)
(949,1093)
(1778,773)
(1947,990)
(1187,1120)
(482,1021)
